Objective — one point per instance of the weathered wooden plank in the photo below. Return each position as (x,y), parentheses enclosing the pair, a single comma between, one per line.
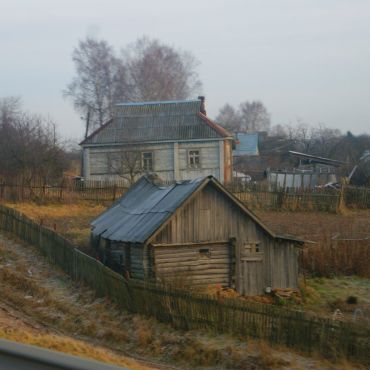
(184,252)
(201,270)
(224,262)
(190,244)
(192,261)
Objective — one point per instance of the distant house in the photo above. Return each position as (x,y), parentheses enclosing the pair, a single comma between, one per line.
(246,144)
(246,159)
(194,232)
(174,139)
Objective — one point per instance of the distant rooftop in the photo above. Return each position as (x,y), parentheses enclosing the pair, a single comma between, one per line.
(158,102)
(174,120)
(246,144)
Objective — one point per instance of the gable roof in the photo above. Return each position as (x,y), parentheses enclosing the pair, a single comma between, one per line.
(142,209)
(247,144)
(157,121)
(147,206)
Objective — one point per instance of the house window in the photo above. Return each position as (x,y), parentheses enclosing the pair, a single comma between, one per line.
(194,158)
(147,161)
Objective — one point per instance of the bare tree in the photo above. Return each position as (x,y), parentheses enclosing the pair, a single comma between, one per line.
(100,82)
(251,116)
(317,140)
(229,117)
(147,70)
(254,116)
(160,72)
(125,164)
(29,146)
(10,108)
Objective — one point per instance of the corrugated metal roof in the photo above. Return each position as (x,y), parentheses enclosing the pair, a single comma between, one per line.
(156,121)
(247,144)
(145,207)
(142,210)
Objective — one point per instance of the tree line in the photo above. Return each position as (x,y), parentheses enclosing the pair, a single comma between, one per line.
(30,147)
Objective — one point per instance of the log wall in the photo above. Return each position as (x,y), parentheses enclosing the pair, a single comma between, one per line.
(193,264)
(212,216)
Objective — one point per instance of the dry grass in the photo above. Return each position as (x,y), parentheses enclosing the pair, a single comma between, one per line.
(70,346)
(317,226)
(70,220)
(327,258)
(69,317)
(342,241)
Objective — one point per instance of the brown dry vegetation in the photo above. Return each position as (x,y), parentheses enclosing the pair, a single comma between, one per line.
(70,220)
(342,241)
(327,257)
(318,226)
(68,317)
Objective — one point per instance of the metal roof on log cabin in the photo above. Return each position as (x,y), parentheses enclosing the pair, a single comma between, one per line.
(157,121)
(147,205)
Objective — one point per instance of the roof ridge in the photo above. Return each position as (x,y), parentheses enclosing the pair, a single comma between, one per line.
(96,131)
(152,102)
(218,128)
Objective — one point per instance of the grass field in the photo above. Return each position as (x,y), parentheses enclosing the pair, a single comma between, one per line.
(70,220)
(73,221)
(319,226)
(40,305)
(322,295)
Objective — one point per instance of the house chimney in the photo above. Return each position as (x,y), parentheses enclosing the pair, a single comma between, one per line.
(202,105)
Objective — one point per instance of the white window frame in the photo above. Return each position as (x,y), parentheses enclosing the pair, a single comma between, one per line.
(191,157)
(143,161)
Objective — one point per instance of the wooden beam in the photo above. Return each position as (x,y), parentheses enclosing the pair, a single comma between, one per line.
(196,244)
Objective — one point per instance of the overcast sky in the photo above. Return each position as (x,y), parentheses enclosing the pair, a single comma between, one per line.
(306,59)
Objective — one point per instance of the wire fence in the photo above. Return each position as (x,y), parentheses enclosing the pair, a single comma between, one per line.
(186,310)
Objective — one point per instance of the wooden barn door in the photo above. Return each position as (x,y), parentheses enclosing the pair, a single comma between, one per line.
(251,280)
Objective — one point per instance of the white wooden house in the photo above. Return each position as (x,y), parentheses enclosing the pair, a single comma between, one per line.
(174,139)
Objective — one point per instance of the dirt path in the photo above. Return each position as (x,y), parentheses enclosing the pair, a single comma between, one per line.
(40,305)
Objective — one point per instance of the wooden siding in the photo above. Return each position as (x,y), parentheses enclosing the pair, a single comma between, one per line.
(124,257)
(209,159)
(162,160)
(212,216)
(170,160)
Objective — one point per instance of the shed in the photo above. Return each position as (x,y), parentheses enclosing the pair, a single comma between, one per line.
(197,232)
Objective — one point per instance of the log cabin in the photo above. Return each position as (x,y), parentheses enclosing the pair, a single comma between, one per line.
(195,232)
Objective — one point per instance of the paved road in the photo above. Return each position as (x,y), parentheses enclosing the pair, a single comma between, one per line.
(16,356)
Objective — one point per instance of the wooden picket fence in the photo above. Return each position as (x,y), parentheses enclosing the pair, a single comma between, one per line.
(66,190)
(255,196)
(258,196)
(186,310)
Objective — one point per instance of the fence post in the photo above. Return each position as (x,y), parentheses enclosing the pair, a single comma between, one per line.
(341,204)
(232,262)
(114,191)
